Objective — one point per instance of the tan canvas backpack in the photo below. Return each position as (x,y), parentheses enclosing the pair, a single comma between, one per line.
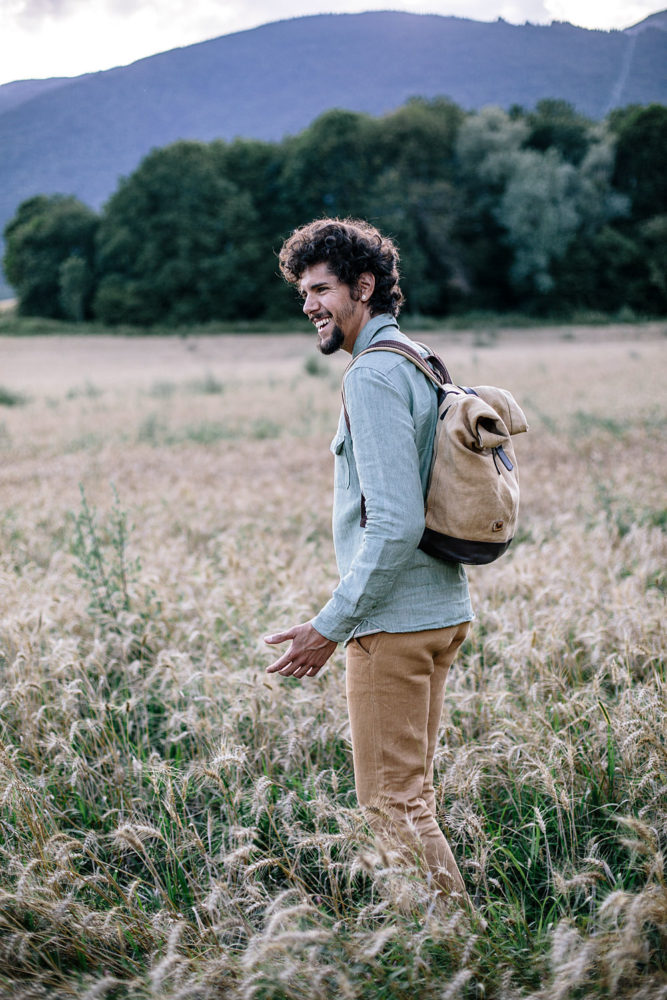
(472,499)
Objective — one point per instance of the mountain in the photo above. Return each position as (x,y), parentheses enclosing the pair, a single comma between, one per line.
(658,20)
(14,94)
(80,135)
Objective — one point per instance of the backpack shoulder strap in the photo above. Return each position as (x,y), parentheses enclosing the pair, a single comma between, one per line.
(432,366)
(435,362)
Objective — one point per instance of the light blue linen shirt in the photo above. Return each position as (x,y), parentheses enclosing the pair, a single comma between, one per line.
(387,584)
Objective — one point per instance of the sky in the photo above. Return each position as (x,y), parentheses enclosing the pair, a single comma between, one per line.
(45,38)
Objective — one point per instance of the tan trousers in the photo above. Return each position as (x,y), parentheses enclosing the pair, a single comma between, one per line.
(395,693)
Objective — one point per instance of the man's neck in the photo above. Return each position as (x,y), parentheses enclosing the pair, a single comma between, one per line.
(368,331)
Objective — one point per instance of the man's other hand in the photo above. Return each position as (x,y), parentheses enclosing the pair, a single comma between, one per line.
(307,654)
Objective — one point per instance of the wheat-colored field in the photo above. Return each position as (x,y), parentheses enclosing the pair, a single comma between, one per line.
(175,823)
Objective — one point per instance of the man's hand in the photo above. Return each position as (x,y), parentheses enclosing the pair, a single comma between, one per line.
(307,654)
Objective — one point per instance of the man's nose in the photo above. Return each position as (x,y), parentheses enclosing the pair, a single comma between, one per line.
(309,304)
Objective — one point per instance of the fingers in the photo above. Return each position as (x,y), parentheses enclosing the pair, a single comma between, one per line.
(287,667)
(279,637)
(279,665)
(307,654)
(283,661)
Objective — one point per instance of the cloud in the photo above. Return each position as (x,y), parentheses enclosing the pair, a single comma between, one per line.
(518,11)
(38,10)
(593,13)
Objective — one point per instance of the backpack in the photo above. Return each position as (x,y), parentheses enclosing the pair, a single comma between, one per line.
(472,498)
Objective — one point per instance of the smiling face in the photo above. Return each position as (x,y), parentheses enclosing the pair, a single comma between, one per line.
(337,313)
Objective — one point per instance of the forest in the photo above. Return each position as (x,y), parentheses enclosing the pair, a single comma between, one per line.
(540,211)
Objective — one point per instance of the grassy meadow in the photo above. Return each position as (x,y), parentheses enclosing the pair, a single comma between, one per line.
(176,824)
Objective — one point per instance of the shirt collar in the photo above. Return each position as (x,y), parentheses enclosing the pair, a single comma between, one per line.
(368,332)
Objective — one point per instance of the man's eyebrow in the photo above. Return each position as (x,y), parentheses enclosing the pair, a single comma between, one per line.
(317,286)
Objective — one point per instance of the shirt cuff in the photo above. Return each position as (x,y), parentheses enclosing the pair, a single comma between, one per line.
(331,624)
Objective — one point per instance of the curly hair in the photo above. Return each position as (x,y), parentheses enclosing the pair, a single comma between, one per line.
(349,247)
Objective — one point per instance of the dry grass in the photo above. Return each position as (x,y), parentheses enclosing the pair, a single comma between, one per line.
(175,824)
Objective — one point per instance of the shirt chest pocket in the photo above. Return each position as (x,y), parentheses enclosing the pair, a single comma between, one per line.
(341,462)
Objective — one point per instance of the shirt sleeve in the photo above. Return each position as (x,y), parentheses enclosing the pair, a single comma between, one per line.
(387,461)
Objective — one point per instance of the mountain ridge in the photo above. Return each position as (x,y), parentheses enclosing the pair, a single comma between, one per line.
(657,20)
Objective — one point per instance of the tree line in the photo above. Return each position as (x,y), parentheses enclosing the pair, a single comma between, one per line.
(538,210)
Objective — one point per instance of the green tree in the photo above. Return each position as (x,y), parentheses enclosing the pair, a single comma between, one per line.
(539,201)
(412,196)
(75,280)
(330,167)
(653,236)
(178,243)
(549,203)
(418,140)
(421,217)
(554,124)
(45,233)
(256,167)
(539,214)
(604,270)
(641,155)
(485,145)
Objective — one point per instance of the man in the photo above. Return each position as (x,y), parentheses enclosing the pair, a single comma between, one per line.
(401,613)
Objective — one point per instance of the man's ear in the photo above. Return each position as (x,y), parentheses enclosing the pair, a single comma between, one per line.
(366,285)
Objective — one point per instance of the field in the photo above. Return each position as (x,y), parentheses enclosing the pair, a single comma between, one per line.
(176,823)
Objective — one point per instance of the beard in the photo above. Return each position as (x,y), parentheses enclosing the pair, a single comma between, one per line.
(333,342)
